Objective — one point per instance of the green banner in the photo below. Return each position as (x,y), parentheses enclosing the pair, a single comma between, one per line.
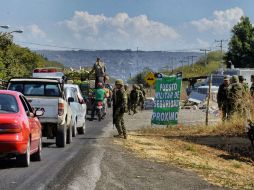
(167,100)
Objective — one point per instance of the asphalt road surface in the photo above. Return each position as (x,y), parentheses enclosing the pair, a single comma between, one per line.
(93,162)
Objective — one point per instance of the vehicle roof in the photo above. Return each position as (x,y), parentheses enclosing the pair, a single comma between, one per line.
(34,80)
(71,85)
(10,92)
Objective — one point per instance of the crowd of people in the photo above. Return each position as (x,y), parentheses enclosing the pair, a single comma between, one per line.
(233,96)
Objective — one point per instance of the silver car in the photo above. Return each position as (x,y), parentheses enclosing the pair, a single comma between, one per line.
(78,108)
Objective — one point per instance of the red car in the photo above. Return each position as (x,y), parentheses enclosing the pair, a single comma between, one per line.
(20,129)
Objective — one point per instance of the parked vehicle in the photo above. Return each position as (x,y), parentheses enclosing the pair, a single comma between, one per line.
(48,94)
(149,103)
(78,108)
(20,129)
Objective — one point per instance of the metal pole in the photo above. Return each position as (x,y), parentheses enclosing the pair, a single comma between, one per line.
(208,100)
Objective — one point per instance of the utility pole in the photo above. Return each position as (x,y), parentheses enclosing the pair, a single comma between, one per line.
(221,44)
(205,50)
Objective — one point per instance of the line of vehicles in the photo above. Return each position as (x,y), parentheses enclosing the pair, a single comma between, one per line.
(41,106)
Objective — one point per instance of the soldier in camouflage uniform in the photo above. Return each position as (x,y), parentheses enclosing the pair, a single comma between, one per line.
(119,108)
(126,88)
(142,97)
(252,86)
(134,98)
(222,98)
(244,83)
(235,95)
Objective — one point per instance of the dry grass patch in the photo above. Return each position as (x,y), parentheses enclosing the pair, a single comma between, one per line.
(214,165)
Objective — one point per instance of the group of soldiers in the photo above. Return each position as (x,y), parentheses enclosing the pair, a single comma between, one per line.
(125,101)
(232,96)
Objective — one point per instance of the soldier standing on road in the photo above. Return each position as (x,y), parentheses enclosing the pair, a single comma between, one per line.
(252,86)
(142,98)
(235,96)
(222,98)
(100,71)
(244,83)
(134,98)
(126,88)
(119,108)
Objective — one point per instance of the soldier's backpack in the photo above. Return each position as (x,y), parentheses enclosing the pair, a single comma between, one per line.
(134,96)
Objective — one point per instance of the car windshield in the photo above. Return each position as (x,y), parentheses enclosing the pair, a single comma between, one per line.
(8,104)
(36,89)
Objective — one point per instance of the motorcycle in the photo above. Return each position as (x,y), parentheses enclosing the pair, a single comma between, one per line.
(100,110)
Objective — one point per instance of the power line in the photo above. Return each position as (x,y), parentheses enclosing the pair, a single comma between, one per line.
(205,50)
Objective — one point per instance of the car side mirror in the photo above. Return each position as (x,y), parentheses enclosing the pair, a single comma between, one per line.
(39,113)
(70,99)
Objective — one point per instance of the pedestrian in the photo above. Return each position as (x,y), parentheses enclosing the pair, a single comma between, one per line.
(235,96)
(142,96)
(134,98)
(119,108)
(242,80)
(100,71)
(126,88)
(252,86)
(222,98)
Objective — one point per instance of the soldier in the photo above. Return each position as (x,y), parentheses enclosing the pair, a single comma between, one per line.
(235,95)
(100,71)
(126,88)
(252,86)
(142,98)
(222,98)
(119,108)
(134,98)
(242,80)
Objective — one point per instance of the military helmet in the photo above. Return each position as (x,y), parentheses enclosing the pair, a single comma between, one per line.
(119,82)
(141,85)
(126,86)
(226,77)
(235,79)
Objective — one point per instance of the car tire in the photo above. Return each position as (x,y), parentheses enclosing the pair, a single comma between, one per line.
(37,156)
(74,129)
(69,135)
(24,159)
(61,136)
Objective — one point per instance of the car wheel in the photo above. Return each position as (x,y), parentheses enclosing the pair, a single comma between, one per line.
(61,136)
(69,135)
(37,156)
(24,159)
(74,129)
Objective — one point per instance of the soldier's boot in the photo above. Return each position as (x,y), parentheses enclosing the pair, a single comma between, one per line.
(119,136)
(125,136)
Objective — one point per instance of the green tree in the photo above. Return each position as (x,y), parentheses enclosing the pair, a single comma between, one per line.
(241,45)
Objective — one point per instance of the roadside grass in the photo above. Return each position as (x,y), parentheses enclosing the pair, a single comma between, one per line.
(202,149)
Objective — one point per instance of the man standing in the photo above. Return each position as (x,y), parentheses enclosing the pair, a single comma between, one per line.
(142,98)
(235,96)
(222,98)
(134,98)
(244,84)
(119,108)
(100,71)
(126,88)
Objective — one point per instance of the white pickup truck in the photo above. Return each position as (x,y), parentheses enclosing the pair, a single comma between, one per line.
(47,93)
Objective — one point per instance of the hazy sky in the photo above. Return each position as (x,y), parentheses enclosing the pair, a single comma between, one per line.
(123,24)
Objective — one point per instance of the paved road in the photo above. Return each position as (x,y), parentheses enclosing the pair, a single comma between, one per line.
(92,161)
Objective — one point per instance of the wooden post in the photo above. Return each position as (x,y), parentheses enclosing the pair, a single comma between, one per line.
(208,100)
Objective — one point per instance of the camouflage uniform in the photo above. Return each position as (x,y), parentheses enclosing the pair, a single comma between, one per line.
(245,98)
(119,108)
(142,96)
(126,88)
(134,99)
(235,95)
(222,98)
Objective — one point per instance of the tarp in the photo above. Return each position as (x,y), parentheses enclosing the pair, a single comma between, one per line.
(167,100)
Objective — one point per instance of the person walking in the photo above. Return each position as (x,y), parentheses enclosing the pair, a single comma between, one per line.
(119,108)
(222,98)
(142,98)
(100,71)
(134,98)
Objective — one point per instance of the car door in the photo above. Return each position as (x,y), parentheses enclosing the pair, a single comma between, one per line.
(35,130)
(83,105)
(77,105)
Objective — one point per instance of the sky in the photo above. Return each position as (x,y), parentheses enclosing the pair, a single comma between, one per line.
(167,25)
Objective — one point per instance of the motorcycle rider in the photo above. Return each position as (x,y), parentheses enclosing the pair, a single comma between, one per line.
(100,96)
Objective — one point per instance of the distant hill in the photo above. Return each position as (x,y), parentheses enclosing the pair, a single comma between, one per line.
(122,64)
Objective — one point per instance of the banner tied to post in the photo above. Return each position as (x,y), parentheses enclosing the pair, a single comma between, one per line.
(167,100)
